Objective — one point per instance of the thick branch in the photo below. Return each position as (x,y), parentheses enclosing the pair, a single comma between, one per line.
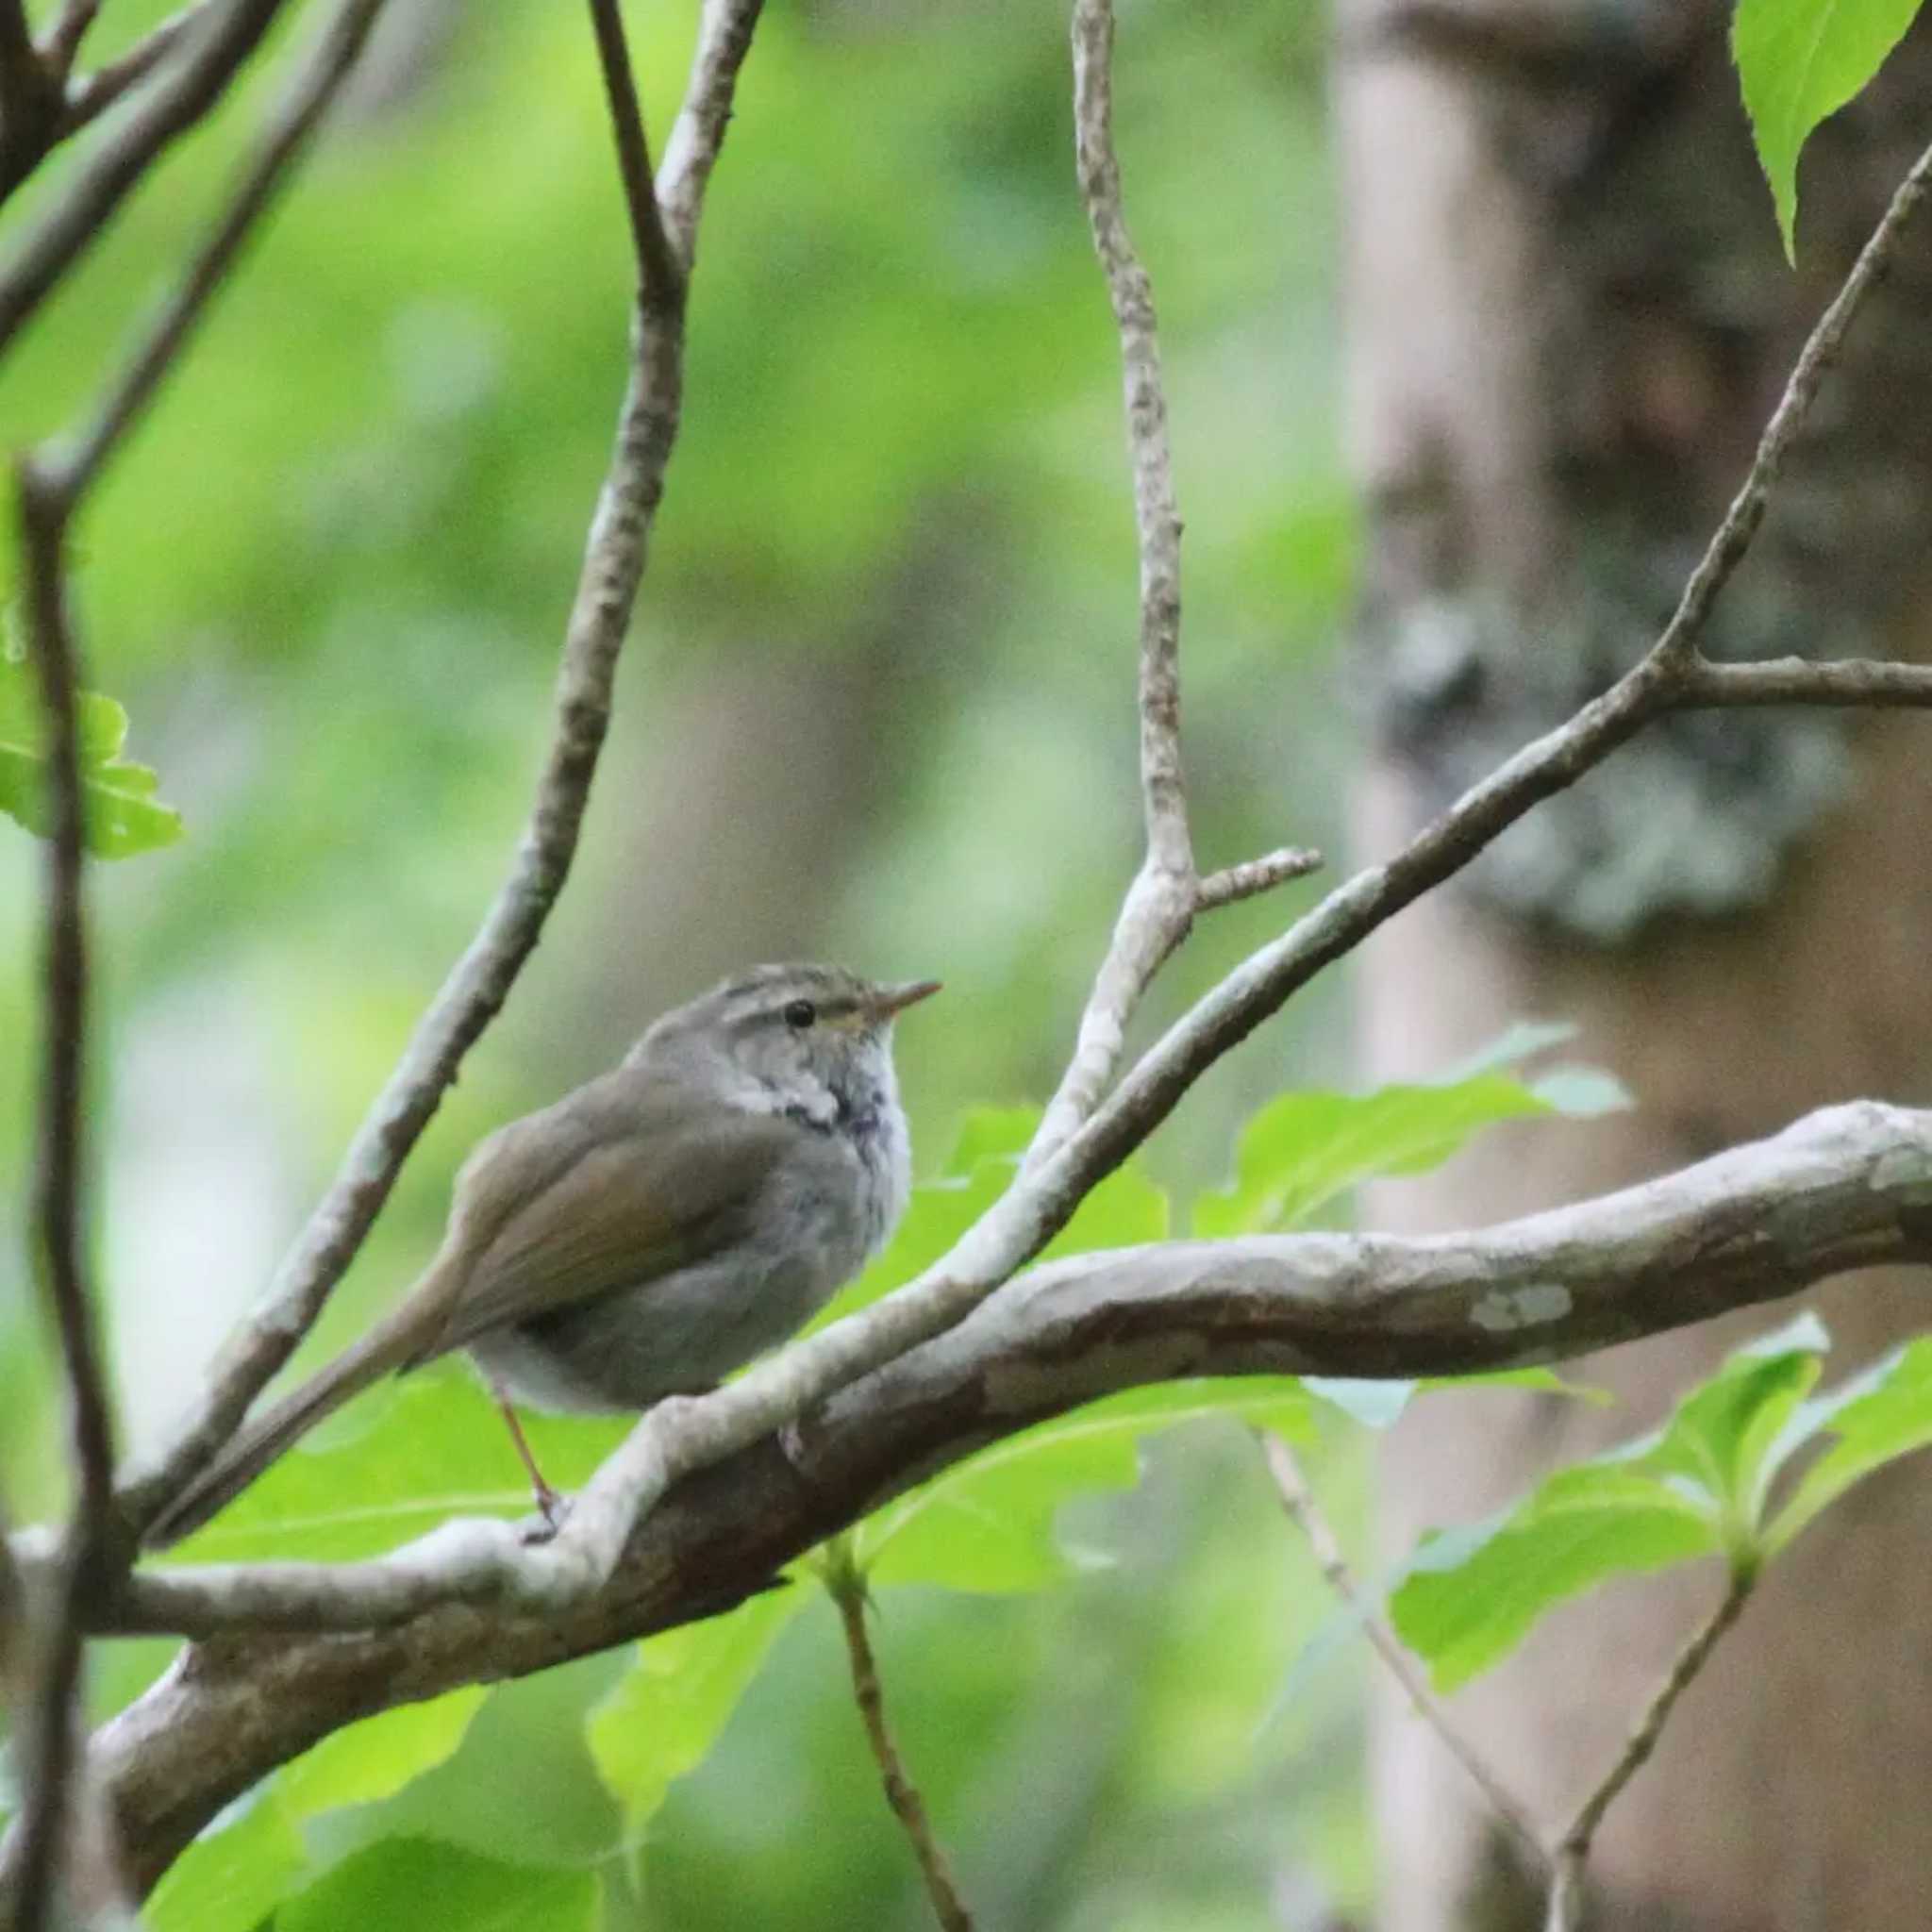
(481,979)
(1844,1189)
(84,209)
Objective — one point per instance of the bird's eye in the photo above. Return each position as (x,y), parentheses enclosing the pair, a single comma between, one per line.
(800,1014)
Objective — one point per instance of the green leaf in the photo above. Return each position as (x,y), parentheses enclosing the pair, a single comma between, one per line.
(252,1856)
(1694,1488)
(1380,1405)
(1470,1595)
(1878,1415)
(662,1716)
(1303,1150)
(1725,1431)
(1798,62)
(121,815)
(233,1876)
(987,1524)
(405,1883)
(376,1757)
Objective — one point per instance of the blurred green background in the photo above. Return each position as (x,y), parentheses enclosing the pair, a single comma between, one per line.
(878,704)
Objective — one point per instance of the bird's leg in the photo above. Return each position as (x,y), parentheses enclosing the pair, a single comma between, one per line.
(550,1505)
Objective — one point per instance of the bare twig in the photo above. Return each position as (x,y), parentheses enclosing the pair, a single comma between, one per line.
(93,94)
(481,979)
(660,276)
(1726,551)
(62,40)
(82,212)
(1573,1848)
(60,1214)
(289,126)
(1802,681)
(1304,1509)
(846,1588)
(1234,883)
(1159,904)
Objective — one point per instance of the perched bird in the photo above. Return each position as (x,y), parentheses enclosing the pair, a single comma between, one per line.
(652,1231)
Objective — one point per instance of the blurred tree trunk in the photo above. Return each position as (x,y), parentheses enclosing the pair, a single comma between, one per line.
(1570,318)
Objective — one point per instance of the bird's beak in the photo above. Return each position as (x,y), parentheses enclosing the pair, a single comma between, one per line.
(889,1001)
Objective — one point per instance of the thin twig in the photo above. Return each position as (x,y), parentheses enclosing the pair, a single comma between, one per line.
(660,277)
(1573,1849)
(479,983)
(93,94)
(1802,681)
(1159,907)
(285,132)
(846,1588)
(84,211)
(1299,1500)
(59,1206)
(1726,551)
(62,40)
(1234,883)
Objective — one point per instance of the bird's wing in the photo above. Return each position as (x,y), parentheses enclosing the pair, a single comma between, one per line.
(623,1180)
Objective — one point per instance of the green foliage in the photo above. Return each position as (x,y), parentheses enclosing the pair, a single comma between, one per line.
(988,1523)
(1799,61)
(234,1874)
(121,815)
(1707,1484)
(1303,1150)
(403,1881)
(254,1856)
(663,1717)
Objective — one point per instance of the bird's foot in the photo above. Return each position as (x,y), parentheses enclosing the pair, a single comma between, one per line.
(554,1508)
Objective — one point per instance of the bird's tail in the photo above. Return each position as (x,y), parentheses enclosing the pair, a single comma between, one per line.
(391,1344)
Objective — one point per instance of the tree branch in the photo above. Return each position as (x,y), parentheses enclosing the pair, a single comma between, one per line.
(1159,908)
(62,40)
(1235,883)
(283,137)
(1573,1849)
(1846,1188)
(94,94)
(660,276)
(1306,1514)
(480,981)
(29,99)
(49,1726)
(846,1588)
(83,211)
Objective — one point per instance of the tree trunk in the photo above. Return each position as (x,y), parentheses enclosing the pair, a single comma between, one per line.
(1569,319)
